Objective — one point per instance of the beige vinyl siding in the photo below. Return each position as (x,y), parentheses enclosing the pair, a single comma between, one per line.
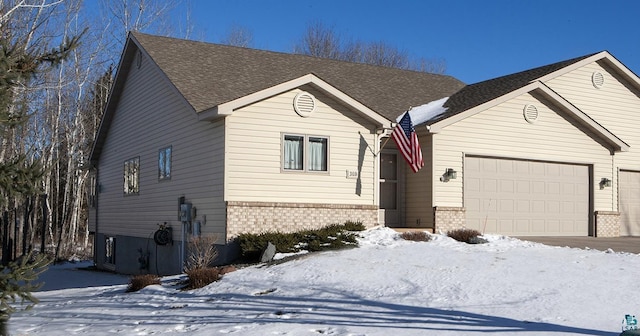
(502,131)
(419,209)
(254,158)
(141,128)
(615,105)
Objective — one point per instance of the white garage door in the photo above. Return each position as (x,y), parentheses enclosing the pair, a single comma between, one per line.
(629,182)
(526,198)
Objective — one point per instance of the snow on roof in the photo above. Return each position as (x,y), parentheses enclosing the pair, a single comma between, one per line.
(426,112)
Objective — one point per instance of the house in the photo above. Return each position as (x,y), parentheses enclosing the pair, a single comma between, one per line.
(548,151)
(200,138)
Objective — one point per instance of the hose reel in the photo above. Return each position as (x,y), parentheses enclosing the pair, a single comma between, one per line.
(163,236)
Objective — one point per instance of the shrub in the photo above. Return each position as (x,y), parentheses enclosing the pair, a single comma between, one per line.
(202,252)
(330,237)
(354,226)
(200,277)
(416,236)
(139,282)
(468,236)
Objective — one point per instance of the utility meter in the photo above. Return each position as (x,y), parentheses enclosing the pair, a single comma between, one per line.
(185,212)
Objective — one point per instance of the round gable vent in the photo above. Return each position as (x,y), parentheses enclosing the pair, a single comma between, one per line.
(530,113)
(597,78)
(138,59)
(304,103)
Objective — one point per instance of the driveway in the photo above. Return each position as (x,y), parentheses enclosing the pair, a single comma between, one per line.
(617,244)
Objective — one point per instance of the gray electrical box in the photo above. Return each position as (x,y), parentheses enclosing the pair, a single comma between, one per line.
(185,212)
(196,228)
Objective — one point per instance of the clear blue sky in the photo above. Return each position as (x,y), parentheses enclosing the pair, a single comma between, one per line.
(477,39)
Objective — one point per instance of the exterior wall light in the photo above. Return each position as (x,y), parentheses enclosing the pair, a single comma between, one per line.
(450,174)
(605,182)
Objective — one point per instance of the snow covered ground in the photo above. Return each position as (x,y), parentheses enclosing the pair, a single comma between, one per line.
(388,286)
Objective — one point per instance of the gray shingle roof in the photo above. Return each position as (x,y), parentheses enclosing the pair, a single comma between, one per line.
(476,94)
(209,74)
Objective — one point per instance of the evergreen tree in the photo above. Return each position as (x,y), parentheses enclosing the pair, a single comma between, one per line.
(18,66)
(17,281)
(18,176)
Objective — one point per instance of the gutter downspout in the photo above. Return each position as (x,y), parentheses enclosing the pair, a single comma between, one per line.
(96,205)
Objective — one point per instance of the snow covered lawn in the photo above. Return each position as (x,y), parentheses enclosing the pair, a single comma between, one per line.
(388,286)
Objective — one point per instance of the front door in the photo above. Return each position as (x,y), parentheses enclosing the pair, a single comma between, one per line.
(389,212)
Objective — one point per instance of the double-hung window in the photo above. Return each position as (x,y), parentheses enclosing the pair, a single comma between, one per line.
(305,153)
(132,176)
(164,163)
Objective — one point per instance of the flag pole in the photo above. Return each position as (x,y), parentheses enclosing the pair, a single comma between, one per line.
(384,144)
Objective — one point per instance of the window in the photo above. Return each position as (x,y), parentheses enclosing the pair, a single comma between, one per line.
(293,152)
(164,163)
(131,176)
(110,250)
(305,153)
(92,191)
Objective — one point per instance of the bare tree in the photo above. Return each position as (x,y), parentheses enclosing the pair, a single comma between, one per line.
(383,54)
(238,36)
(319,41)
(322,41)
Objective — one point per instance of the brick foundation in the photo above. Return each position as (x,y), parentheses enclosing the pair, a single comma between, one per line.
(448,218)
(607,224)
(258,217)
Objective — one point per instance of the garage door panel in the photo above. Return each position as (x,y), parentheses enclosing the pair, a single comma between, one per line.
(629,198)
(523,225)
(524,206)
(553,188)
(506,206)
(507,186)
(527,198)
(506,225)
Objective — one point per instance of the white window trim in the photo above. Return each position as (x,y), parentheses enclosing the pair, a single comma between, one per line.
(305,157)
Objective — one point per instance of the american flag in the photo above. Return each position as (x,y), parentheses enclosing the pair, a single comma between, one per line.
(407,141)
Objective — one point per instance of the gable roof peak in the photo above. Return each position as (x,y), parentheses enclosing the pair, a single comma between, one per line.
(479,93)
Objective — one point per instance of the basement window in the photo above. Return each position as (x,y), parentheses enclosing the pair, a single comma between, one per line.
(110,250)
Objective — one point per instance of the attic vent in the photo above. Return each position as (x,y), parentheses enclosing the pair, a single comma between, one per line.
(304,103)
(597,78)
(138,59)
(530,113)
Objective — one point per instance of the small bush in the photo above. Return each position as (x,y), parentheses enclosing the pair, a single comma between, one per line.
(200,277)
(139,282)
(353,226)
(330,237)
(202,252)
(464,235)
(416,236)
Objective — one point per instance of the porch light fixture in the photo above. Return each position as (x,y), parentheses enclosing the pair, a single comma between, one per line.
(605,182)
(450,174)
